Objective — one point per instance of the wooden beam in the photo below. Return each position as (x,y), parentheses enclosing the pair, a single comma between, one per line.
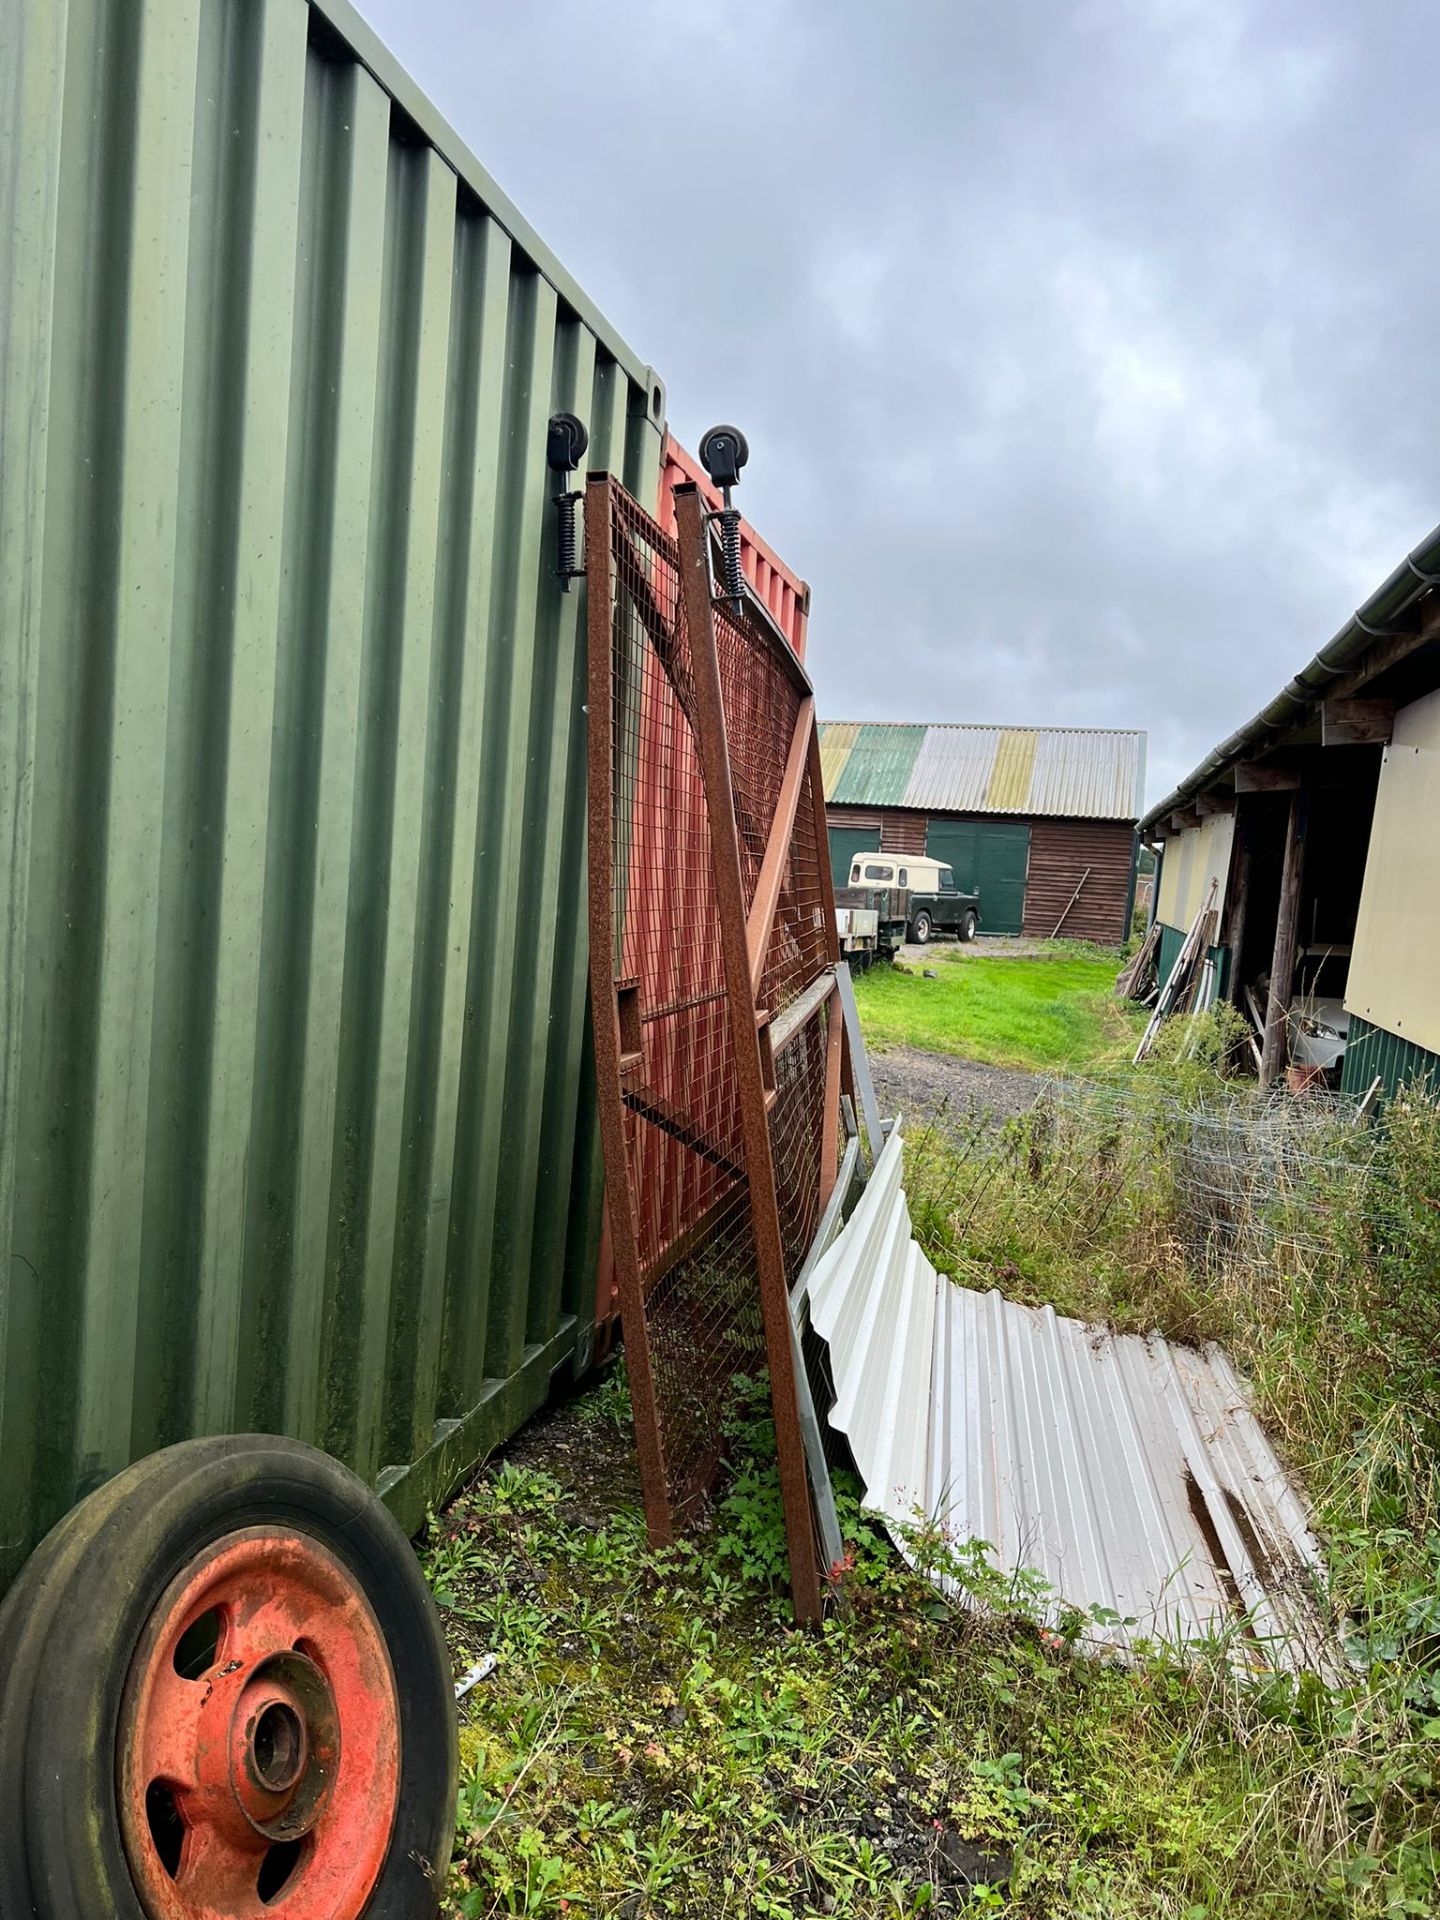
(1356,723)
(1182,818)
(761,918)
(788,1022)
(1219,801)
(1237,897)
(1282,961)
(1265,776)
(1388,651)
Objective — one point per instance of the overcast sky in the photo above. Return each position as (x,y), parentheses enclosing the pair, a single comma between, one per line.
(1088,353)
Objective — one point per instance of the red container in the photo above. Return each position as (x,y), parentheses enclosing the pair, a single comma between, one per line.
(788,598)
(784,593)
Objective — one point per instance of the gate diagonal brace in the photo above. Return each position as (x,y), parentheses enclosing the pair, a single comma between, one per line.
(660,1113)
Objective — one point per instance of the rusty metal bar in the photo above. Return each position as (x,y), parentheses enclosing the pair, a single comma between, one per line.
(599,630)
(711,739)
(660,1113)
(822,844)
(761,922)
(827,895)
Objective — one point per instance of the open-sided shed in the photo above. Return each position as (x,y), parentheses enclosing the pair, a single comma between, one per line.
(1317,824)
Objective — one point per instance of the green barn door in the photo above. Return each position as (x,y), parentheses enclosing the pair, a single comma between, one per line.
(845,843)
(992,855)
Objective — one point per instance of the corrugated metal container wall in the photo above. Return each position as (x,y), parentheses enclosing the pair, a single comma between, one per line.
(296,1118)
(1061,851)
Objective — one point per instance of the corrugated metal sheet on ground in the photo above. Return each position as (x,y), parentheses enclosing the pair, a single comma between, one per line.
(1130,1474)
(1066,772)
(297,1124)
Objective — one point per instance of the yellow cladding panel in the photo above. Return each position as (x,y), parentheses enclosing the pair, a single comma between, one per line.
(1009,788)
(1192,860)
(835,744)
(1394,978)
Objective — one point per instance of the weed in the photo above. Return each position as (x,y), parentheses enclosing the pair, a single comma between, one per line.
(608,1403)
(657,1741)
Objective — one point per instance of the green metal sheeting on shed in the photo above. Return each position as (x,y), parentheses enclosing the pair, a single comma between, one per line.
(1172,940)
(1372,1052)
(296,1122)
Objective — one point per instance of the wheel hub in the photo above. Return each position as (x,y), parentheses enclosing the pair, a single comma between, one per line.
(259,1774)
(284,1747)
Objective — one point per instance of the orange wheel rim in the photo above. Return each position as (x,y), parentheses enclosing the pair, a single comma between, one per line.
(259,1762)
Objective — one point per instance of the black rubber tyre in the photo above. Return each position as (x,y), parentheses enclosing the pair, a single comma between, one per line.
(920,929)
(71,1624)
(968,924)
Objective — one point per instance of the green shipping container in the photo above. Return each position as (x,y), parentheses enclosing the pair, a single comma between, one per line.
(296,1119)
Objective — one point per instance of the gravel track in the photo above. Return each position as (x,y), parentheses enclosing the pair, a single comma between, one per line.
(925,1086)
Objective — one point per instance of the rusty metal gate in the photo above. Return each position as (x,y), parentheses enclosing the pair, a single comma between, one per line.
(718,1033)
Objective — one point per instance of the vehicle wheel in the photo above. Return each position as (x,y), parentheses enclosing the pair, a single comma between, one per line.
(968,925)
(224,1693)
(920,929)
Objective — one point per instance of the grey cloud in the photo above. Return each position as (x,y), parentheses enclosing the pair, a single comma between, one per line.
(1085,350)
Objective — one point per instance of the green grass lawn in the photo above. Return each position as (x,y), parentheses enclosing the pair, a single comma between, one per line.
(1054,1011)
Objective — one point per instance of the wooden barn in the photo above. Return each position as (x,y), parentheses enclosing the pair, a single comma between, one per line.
(1040,819)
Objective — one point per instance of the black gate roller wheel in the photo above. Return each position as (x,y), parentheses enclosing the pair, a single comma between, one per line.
(224,1694)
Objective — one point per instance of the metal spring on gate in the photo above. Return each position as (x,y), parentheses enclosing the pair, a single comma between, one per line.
(723,452)
(565,540)
(730,556)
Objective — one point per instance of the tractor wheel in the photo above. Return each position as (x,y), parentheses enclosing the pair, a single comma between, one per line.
(224,1695)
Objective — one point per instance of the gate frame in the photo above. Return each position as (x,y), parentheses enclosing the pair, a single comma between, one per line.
(744,940)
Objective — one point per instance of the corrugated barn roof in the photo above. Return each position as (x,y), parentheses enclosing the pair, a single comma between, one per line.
(1067,772)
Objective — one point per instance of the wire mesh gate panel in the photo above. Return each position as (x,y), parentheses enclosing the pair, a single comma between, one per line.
(717,1031)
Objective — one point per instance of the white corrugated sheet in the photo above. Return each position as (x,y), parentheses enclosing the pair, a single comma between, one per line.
(1131,1475)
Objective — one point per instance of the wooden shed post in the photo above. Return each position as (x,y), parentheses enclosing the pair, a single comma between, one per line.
(1239,898)
(1282,963)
